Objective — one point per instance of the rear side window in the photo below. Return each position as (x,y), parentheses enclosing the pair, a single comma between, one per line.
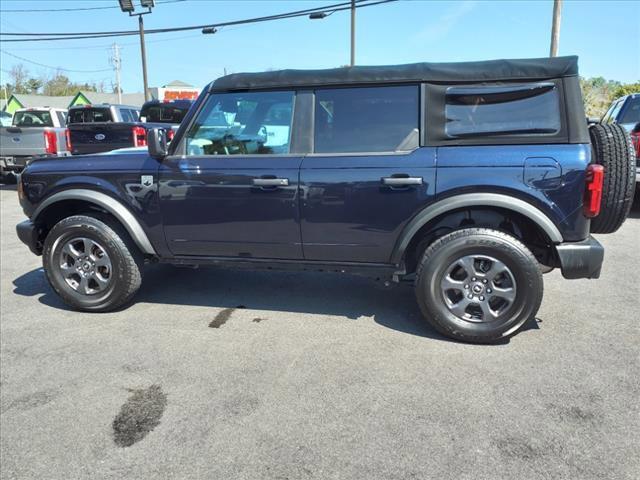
(516,110)
(631,112)
(33,119)
(89,115)
(127,115)
(253,123)
(368,119)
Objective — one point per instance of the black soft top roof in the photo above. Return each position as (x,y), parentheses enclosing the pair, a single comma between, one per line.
(462,72)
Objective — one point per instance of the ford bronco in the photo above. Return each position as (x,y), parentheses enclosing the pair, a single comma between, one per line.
(468,179)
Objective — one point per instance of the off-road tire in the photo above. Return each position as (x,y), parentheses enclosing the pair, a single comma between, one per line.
(478,241)
(127,261)
(612,148)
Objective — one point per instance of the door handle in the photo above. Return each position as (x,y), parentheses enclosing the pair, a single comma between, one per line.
(271,182)
(401,181)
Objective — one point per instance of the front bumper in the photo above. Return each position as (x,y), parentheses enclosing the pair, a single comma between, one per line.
(28,234)
(581,259)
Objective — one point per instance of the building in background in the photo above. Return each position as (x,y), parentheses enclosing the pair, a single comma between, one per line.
(175,90)
(172,91)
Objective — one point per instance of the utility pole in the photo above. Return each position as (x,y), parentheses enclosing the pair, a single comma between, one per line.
(353,32)
(555,28)
(117,64)
(144,59)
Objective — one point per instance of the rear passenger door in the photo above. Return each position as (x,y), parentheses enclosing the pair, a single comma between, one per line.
(366,176)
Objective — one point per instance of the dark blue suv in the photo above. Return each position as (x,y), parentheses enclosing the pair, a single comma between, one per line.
(468,179)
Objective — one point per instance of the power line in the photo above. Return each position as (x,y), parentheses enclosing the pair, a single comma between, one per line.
(86,35)
(40,10)
(49,66)
(176,29)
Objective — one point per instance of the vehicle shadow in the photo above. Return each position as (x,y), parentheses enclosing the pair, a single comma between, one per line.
(335,294)
(635,207)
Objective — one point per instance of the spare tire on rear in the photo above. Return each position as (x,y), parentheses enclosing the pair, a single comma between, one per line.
(613,150)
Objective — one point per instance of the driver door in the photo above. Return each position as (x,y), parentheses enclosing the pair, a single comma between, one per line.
(234,192)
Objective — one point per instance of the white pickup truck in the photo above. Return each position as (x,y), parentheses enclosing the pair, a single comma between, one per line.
(35,132)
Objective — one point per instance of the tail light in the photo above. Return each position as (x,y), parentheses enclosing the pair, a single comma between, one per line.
(50,142)
(67,136)
(139,137)
(593,190)
(635,138)
(170,134)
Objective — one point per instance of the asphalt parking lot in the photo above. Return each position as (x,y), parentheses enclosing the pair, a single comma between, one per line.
(219,374)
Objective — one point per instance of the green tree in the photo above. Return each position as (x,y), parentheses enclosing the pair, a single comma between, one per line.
(33,85)
(627,89)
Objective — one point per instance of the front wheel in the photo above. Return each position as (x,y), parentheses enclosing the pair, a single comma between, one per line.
(92,263)
(478,285)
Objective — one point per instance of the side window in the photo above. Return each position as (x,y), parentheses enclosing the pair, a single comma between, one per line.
(62,118)
(530,109)
(253,123)
(366,119)
(616,110)
(125,113)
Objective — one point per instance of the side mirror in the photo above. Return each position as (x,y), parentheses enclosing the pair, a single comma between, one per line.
(157,142)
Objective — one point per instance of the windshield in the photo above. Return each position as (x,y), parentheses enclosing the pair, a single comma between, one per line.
(163,114)
(33,118)
(631,111)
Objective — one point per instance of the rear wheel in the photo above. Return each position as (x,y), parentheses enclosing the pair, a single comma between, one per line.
(478,285)
(91,264)
(613,150)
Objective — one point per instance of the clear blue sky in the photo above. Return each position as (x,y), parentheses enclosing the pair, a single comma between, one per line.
(605,34)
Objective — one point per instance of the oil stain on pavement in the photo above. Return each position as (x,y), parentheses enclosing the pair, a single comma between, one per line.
(139,415)
(221,318)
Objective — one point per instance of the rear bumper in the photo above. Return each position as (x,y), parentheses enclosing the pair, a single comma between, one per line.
(581,259)
(13,164)
(28,234)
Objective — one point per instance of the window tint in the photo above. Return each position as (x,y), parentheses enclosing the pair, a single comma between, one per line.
(631,111)
(243,123)
(372,119)
(163,114)
(33,119)
(89,115)
(531,109)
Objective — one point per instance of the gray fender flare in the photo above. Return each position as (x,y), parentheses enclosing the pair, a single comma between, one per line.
(111,205)
(473,200)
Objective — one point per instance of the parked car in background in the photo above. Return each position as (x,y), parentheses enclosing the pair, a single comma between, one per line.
(5,119)
(625,111)
(172,113)
(104,127)
(467,180)
(34,133)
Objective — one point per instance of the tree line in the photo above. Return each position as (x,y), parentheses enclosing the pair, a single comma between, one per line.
(58,84)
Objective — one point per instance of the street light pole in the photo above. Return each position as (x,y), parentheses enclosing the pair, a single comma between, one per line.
(127,6)
(555,28)
(353,32)
(144,59)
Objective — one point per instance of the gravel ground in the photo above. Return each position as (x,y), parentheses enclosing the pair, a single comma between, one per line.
(221,374)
